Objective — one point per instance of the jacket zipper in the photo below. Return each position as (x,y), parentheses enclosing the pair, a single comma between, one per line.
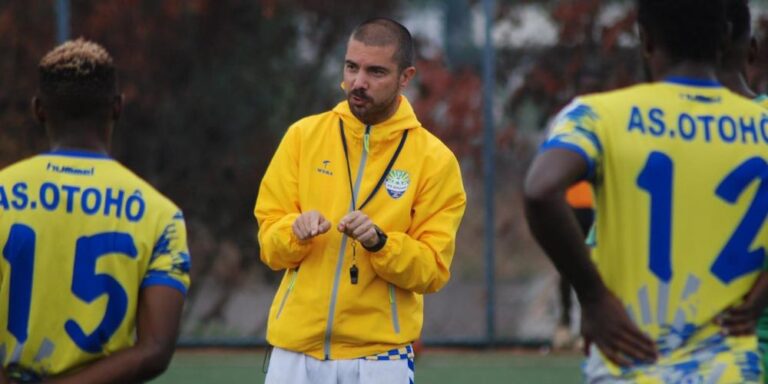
(342,250)
(393,307)
(287,292)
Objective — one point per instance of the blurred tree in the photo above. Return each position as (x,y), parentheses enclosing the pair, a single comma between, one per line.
(210,87)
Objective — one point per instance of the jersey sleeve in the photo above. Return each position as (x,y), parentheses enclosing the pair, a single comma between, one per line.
(170,261)
(576,128)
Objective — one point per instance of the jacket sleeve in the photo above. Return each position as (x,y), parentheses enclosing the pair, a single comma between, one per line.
(420,259)
(277,206)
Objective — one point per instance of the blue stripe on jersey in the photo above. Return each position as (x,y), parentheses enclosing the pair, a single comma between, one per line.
(689,81)
(591,136)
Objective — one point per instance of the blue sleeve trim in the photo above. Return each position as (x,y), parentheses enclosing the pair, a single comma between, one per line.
(163,279)
(573,148)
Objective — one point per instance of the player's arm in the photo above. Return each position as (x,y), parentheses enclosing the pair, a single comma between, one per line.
(158,316)
(277,208)
(556,229)
(3,377)
(420,260)
(741,320)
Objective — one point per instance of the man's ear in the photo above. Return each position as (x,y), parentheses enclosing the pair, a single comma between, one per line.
(406,76)
(117,106)
(753,50)
(646,42)
(38,110)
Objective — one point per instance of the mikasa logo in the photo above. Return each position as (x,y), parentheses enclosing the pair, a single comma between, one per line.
(324,170)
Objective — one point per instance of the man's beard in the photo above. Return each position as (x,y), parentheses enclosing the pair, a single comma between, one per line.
(370,111)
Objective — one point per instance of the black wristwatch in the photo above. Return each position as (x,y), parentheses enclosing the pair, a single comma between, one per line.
(381,243)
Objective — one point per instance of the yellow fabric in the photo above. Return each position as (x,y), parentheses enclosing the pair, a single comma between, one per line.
(762,100)
(419,207)
(679,173)
(60,211)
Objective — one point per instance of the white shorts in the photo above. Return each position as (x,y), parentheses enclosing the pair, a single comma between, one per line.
(286,367)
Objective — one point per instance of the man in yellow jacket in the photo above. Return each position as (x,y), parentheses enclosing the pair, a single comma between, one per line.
(360,206)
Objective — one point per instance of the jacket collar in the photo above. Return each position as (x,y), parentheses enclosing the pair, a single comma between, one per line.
(404,118)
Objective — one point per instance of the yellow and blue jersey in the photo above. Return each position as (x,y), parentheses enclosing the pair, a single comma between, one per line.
(80,236)
(681,185)
(762,100)
(762,325)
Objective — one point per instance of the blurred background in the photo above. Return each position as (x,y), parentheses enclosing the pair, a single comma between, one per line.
(212,85)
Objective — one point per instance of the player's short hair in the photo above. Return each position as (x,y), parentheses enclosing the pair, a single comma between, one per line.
(685,29)
(382,31)
(740,18)
(77,79)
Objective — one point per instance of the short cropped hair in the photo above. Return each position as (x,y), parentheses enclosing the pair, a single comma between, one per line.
(77,79)
(382,31)
(740,18)
(686,29)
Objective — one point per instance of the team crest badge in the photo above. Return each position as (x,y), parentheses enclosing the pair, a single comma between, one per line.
(397,183)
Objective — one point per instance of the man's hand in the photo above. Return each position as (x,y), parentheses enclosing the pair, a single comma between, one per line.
(359,226)
(310,224)
(741,320)
(607,325)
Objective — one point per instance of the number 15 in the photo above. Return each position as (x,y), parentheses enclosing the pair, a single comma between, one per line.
(87,285)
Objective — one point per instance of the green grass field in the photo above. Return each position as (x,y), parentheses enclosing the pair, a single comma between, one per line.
(432,367)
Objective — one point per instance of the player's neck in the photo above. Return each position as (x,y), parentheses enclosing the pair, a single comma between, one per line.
(89,136)
(87,144)
(79,148)
(692,70)
(736,82)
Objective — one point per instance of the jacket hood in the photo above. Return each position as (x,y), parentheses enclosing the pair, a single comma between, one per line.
(404,118)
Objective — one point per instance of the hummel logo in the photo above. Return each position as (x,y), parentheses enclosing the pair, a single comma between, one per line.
(324,170)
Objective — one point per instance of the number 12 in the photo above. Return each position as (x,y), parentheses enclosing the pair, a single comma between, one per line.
(735,259)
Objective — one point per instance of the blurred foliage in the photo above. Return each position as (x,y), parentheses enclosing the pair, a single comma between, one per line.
(210,87)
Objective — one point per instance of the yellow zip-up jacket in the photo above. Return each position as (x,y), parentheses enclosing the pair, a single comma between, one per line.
(317,310)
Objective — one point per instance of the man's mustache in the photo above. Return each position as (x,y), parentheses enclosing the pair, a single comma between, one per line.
(360,93)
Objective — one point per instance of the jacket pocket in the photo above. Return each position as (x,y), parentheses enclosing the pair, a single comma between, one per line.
(393,308)
(294,273)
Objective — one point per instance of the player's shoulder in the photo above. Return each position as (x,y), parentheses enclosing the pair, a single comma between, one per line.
(761,100)
(141,188)
(20,168)
(591,106)
(738,104)
(608,99)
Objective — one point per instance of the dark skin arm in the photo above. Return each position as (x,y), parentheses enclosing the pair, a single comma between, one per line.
(604,319)
(741,320)
(157,327)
